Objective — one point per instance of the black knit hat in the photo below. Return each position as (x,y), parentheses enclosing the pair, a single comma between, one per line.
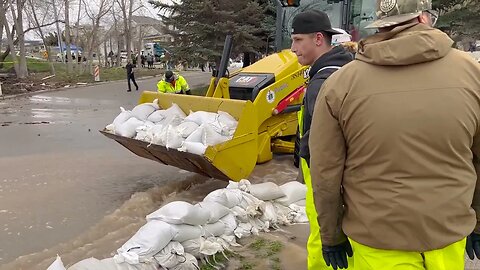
(312,21)
(169,76)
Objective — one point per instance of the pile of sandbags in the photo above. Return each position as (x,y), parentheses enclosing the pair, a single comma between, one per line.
(172,128)
(179,234)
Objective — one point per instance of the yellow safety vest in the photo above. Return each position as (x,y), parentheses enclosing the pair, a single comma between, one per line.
(181,86)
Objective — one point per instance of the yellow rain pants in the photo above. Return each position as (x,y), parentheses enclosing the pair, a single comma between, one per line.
(315,259)
(451,257)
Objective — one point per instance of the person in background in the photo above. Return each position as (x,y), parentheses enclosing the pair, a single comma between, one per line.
(173,84)
(395,148)
(312,43)
(130,75)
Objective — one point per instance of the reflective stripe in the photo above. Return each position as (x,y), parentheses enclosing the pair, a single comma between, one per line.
(329,67)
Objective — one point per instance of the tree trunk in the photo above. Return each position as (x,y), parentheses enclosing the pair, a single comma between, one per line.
(78,62)
(22,68)
(105,53)
(42,36)
(139,46)
(67,37)
(11,48)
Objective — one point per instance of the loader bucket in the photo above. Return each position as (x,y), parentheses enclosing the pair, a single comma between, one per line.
(231,160)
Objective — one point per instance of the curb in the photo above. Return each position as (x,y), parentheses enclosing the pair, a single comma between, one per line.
(67,88)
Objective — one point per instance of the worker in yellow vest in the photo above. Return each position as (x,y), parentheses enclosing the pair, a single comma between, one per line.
(312,36)
(173,84)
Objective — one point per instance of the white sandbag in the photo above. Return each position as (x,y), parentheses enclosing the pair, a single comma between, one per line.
(122,117)
(190,263)
(57,264)
(264,191)
(143,111)
(110,128)
(300,203)
(226,197)
(251,204)
(175,110)
(128,129)
(187,232)
(230,241)
(197,135)
(187,128)
(227,120)
(259,225)
(170,256)
(111,264)
(232,185)
(298,214)
(283,213)
(174,139)
(193,246)
(217,211)
(213,229)
(240,214)
(148,241)
(224,124)
(243,230)
(173,121)
(157,116)
(269,214)
(201,117)
(230,224)
(158,134)
(193,147)
(211,137)
(294,191)
(180,212)
(143,133)
(173,115)
(211,246)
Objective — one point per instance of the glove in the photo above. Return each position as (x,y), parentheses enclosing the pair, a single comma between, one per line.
(336,256)
(473,246)
(188,92)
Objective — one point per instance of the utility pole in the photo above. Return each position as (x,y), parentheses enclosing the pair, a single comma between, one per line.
(59,38)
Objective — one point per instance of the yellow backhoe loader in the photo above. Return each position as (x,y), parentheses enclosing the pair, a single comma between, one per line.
(264,97)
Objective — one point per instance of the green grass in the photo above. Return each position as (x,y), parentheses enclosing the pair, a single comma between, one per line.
(39,69)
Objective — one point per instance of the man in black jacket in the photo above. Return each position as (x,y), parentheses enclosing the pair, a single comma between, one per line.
(311,42)
(130,76)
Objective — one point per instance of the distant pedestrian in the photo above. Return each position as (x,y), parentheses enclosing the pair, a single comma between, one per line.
(150,61)
(131,76)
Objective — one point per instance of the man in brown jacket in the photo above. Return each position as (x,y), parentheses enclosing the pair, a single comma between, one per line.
(394,145)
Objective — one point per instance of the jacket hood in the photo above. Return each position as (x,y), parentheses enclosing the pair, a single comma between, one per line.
(405,45)
(336,57)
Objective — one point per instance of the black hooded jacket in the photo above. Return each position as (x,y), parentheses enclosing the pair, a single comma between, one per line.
(319,72)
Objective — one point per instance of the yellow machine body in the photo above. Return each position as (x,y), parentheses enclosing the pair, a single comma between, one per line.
(261,130)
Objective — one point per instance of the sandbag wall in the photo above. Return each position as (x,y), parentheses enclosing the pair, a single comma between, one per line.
(179,234)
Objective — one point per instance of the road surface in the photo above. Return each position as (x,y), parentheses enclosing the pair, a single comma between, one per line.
(59,175)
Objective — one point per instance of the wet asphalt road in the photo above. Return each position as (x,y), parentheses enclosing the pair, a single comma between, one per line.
(59,175)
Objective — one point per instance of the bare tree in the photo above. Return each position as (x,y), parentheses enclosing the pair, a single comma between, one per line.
(17,15)
(95,17)
(128,9)
(10,33)
(67,37)
(37,25)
